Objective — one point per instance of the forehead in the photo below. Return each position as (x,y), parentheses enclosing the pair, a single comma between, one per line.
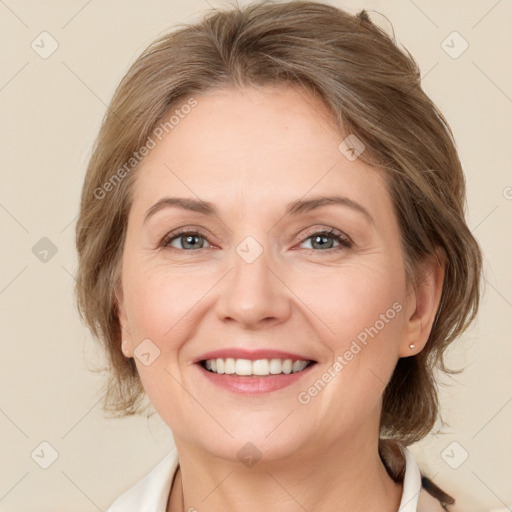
(254,146)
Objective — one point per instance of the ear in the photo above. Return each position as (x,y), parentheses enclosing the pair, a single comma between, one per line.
(126,342)
(422,303)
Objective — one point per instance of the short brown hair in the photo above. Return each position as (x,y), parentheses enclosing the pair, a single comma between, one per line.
(373,90)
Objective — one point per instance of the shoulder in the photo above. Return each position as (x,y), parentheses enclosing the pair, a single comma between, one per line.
(434,494)
(419,494)
(427,503)
(150,493)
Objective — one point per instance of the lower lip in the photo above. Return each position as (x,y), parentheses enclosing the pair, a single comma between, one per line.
(253,384)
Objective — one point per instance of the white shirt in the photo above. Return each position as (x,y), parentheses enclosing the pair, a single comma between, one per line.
(151,493)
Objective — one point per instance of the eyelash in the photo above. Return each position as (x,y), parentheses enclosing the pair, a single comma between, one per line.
(344,241)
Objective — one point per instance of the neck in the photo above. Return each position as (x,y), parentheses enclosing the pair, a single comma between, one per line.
(348,477)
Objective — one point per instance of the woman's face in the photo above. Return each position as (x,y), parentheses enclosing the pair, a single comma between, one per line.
(256,279)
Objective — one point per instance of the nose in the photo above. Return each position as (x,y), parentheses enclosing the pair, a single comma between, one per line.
(254,294)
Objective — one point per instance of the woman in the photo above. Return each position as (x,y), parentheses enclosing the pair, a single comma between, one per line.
(272,247)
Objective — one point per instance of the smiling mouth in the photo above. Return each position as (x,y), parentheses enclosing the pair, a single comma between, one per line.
(255,368)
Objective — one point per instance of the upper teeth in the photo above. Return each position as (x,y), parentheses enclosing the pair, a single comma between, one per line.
(256,367)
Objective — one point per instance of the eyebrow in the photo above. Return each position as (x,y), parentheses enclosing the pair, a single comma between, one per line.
(294,208)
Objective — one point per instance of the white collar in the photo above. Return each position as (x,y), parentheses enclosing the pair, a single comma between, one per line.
(412,484)
(150,494)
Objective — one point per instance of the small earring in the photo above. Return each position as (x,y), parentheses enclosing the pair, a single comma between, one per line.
(125,346)
(412,346)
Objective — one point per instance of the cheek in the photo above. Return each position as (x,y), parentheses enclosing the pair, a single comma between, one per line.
(365,313)
(363,309)
(352,298)
(160,302)
(159,305)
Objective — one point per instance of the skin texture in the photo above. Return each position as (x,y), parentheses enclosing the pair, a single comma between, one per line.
(250,153)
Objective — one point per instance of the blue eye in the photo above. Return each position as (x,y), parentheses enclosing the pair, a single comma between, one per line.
(321,236)
(186,237)
(189,241)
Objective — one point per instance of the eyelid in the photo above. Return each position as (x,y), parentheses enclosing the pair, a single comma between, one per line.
(343,239)
(328,231)
(187,230)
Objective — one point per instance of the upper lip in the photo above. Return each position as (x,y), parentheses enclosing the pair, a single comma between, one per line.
(241,353)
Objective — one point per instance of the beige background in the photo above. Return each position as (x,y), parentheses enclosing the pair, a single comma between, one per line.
(51,110)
